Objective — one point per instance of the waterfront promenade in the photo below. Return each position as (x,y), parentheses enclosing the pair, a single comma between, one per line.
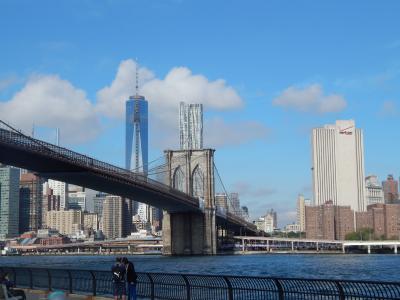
(193,286)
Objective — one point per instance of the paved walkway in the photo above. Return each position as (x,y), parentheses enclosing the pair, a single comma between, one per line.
(42,295)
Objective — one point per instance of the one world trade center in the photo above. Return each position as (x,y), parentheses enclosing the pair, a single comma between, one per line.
(136,142)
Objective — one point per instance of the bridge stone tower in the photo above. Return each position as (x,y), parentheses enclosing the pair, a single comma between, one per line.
(191,233)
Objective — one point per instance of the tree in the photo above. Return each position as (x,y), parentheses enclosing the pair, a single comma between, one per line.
(363,234)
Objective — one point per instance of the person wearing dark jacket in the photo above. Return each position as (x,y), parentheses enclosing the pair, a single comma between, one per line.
(10,287)
(118,276)
(131,278)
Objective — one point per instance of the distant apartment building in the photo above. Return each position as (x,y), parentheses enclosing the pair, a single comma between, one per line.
(98,203)
(50,202)
(60,189)
(90,221)
(191,126)
(156,217)
(9,202)
(67,222)
(30,202)
(338,165)
(383,219)
(390,189)
(268,222)
(329,221)
(112,218)
(234,204)
(292,228)
(373,190)
(221,201)
(77,200)
(301,212)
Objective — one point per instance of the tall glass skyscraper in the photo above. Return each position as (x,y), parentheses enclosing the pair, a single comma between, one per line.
(9,201)
(136,152)
(191,126)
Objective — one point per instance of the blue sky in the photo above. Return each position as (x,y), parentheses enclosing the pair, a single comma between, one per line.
(266,71)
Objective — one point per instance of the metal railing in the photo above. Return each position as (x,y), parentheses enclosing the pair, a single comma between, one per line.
(218,287)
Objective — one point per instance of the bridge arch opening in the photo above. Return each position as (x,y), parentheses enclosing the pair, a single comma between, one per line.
(198,182)
(178,180)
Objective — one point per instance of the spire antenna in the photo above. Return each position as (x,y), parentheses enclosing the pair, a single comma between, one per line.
(137,77)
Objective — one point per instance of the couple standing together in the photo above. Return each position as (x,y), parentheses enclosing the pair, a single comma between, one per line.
(124,278)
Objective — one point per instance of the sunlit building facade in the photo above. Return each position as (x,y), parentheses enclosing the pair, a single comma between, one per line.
(338,165)
(191,126)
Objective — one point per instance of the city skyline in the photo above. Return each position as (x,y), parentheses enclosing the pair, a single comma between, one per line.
(265,103)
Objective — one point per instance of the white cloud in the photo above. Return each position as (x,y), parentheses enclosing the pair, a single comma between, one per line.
(310,99)
(164,95)
(52,102)
(218,133)
(111,99)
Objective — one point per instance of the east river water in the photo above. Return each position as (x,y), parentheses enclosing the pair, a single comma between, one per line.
(384,267)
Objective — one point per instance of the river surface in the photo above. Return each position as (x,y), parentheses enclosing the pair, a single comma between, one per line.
(350,266)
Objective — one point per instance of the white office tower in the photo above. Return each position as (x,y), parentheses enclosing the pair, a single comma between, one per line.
(144,212)
(338,165)
(191,126)
(60,189)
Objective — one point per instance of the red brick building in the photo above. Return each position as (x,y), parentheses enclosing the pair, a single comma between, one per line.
(54,240)
(329,222)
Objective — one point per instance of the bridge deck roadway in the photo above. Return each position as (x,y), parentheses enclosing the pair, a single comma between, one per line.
(50,161)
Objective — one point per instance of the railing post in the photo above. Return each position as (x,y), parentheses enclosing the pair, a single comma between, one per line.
(230,289)
(30,279)
(280,289)
(49,277)
(187,287)
(340,290)
(151,286)
(70,281)
(14,276)
(93,283)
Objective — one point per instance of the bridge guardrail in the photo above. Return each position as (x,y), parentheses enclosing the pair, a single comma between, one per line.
(192,286)
(85,161)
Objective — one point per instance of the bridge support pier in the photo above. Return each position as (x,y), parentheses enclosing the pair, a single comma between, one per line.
(395,249)
(369,249)
(189,233)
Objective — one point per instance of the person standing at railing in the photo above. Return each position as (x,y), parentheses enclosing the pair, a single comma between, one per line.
(131,278)
(20,294)
(118,276)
